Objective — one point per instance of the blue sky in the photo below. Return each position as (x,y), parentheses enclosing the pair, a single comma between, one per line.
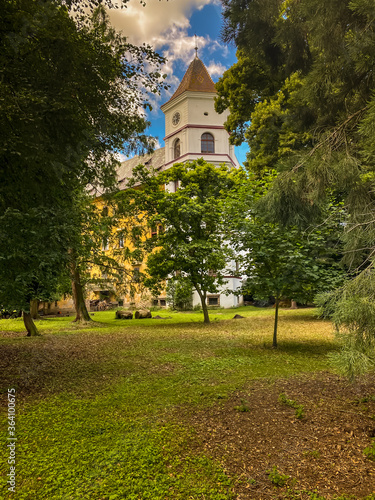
(170,28)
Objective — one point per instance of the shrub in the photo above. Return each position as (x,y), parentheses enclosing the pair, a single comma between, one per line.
(179,294)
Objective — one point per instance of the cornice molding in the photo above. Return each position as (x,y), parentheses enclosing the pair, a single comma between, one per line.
(199,155)
(207,127)
(185,95)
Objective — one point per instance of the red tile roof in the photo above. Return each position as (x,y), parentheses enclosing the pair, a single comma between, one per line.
(196,79)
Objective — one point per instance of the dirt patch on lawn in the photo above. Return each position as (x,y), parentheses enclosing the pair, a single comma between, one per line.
(11,334)
(254,432)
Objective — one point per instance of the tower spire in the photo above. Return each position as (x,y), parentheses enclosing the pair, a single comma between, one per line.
(196,47)
(196,79)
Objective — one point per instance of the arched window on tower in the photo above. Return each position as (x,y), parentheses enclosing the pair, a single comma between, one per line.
(207,143)
(176,149)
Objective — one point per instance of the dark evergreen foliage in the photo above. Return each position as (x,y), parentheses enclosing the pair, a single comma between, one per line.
(313,121)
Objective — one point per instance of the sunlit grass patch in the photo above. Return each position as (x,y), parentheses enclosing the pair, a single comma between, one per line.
(106,319)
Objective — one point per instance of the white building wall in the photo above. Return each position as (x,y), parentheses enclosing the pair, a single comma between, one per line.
(225,301)
(197,116)
(179,105)
(201,109)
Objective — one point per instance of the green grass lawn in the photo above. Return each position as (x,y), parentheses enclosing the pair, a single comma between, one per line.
(96,405)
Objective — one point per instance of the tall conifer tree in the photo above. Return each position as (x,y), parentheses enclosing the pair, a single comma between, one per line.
(311,111)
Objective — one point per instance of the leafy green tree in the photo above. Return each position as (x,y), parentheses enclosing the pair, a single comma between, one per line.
(281,262)
(70,97)
(31,268)
(191,240)
(277,128)
(272,45)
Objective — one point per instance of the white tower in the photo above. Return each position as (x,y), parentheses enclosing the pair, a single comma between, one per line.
(193,129)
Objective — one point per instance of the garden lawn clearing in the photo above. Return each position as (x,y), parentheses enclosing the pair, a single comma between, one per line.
(176,409)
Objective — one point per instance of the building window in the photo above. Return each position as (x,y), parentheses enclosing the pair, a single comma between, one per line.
(156,229)
(105,245)
(207,143)
(155,302)
(176,149)
(136,275)
(163,302)
(213,300)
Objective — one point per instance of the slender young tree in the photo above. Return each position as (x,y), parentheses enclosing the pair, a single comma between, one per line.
(279,262)
(286,264)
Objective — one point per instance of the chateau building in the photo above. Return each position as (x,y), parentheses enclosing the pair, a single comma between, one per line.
(193,129)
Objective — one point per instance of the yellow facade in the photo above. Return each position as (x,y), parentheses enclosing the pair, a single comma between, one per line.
(111,291)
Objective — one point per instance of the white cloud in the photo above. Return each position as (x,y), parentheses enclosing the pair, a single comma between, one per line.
(164,25)
(216,69)
(215,45)
(157,144)
(180,48)
(121,157)
(146,24)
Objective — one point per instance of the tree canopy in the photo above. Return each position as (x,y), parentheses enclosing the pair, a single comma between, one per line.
(278,262)
(189,237)
(308,69)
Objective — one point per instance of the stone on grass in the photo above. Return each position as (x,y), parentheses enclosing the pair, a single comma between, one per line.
(142,314)
(124,315)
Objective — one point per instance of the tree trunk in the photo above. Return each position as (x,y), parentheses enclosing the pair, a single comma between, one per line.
(34,305)
(32,330)
(274,341)
(202,296)
(205,310)
(293,304)
(82,313)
